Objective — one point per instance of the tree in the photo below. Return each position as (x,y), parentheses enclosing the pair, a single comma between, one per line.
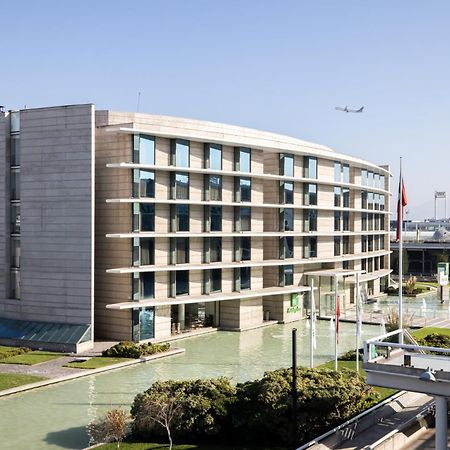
(114,426)
(163,409)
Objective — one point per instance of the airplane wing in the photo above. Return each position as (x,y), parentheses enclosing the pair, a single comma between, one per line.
(360,110)
(340,109)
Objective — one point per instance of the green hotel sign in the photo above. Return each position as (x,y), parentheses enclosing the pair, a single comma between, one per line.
(295,303)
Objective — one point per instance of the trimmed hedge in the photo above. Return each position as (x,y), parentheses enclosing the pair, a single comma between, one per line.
(258,411)
(436,340)
(6,352)
(132,350)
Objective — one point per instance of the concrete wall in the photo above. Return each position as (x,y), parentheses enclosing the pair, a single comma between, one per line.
(57,216)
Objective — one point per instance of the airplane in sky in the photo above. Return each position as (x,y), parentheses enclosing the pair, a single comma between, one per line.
(360,110)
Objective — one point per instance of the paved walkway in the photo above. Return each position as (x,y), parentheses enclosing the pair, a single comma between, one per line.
(48,369)
(424,442)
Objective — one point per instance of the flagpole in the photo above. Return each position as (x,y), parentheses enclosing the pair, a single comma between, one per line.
(400,256)
(312,328)
(335,324)
(358,320)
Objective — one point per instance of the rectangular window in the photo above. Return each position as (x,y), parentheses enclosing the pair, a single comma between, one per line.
(216,218)
(364,264)
(286,275)
(245,187)
(310,247)
(370,222)
(15,252)
(286,164)
(337,246)
(245,218)
(146,150)
(15,121)
(15,151)
(182,282)
(147,251)
(245,276)
(310,220)
(369,200)
(179,153)
(287,219)
(363,221)
(246,248)
(147,221)
(381,202)
(310,194)
(346,173)
(345,245)
(213,157)
(215,280)
(146,323)
(181,186)
(376,180)
(242,159)
(144,182)
(337,196)
(363,244)
(337,172)
(15,184)
(363,177)
(370,243)
(337,221)
(15,284)
(287,247)
(382,185)
(370,179)
(345,221)
(182,217)
(309,167)
(147,285)
(287,192)
(182,249)
(363,200)
(214,188)
(15,218)
(346,197)
(215,249)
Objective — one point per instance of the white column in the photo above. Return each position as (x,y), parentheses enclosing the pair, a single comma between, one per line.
(441,423)
(181,316)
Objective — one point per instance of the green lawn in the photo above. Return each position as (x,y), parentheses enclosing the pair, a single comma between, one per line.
(96,362)
(31,358)
(423,332)
(10,380)
(6,351)
(147,446)
(384,392)
(427,284)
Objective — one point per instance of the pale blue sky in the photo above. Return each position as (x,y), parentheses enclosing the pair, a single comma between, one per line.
(275,65)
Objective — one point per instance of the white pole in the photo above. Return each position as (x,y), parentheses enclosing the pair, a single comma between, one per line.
(312,328)
(400,257)
(335,324)
(441,423)
(358,319)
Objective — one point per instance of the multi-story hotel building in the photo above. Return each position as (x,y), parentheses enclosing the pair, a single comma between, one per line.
(196,224)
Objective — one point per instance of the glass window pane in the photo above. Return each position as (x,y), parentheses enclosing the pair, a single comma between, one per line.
(15,218)
(15,284)
(245,278)
(337,246)
(146,183)
(147,285)
(246,216)
(288,275)
(15,151)
(246,248)
(215,252)
(182,217)
(246,189)
(337,171)
(310,194)
(182,153)
(286,164)
(182,282)
(288,247)
(346,197)
(215,187)
(146,149)
(182,248)
(288,219)
(15,185)
(15,121)
(182,186)
(363,177)
(337,196)
(346,173)
(289,192)
(337,221)
(216,218)
(215,157)
(244,160)
(15,253)
(309,167)
(216,280)
(147,217)
(147,246)
(146,323)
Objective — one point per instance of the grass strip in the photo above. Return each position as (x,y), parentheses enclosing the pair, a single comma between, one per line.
(11,380)
(31,358)
(95,362)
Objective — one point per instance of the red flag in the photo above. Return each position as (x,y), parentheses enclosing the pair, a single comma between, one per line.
(400,208)
(338,315)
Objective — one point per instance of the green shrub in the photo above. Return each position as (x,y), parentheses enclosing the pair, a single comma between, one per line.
(257,411)
(203,412)
(263,409)
(132,350)
(351,355)
(436,340)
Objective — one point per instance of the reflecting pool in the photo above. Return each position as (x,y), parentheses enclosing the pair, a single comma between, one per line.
(56,416)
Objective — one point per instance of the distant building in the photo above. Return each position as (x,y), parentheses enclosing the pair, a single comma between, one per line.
(130,226)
